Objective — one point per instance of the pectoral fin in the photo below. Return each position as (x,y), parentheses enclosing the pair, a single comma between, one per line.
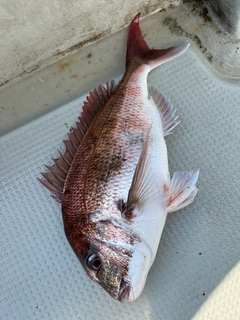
(143,187)
(182,190)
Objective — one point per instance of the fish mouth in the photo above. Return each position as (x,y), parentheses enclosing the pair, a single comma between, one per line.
(125,291)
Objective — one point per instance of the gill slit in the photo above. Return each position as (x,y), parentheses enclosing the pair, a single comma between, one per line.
(127,227)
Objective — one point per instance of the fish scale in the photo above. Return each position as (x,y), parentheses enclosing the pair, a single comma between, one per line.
(113,179)
(109,156)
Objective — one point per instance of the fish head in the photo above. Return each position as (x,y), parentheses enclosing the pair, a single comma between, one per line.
(116,258)
(106,267)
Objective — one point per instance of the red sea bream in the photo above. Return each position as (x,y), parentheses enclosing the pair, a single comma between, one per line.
(113,180)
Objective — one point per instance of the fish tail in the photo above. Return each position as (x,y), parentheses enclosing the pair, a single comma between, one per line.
(137,48)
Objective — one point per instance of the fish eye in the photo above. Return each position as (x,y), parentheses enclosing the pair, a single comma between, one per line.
(94,262)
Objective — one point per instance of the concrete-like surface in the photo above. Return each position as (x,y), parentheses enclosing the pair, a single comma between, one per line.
(226,13)
(36,33)
(49,87)
(197,268)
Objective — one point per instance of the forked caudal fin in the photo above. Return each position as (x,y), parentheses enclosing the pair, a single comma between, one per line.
(137,48)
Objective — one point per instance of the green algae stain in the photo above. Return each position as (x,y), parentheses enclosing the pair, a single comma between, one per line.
(175,28)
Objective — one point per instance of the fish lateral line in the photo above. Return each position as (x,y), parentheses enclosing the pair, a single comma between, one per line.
(112,179)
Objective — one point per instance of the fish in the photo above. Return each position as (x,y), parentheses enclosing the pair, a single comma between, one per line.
(113,180)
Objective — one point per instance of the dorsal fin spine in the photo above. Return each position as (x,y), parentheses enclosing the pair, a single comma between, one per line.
(60,167)
(54,184)
(77,136)
(71,137)
(69,148)
(79,125)
(55,177)
(64,158)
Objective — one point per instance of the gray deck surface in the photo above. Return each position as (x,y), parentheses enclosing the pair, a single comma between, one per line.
(196,274)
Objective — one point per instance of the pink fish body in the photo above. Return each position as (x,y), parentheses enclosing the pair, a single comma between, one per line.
(113,180)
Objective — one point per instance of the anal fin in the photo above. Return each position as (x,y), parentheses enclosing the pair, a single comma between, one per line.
(182,190)
(166,110)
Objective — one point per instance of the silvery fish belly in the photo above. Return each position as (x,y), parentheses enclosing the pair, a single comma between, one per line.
(113,180)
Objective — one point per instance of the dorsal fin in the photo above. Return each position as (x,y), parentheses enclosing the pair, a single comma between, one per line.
(55,177)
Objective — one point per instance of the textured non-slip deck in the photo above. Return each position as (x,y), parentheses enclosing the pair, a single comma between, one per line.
(196,274)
